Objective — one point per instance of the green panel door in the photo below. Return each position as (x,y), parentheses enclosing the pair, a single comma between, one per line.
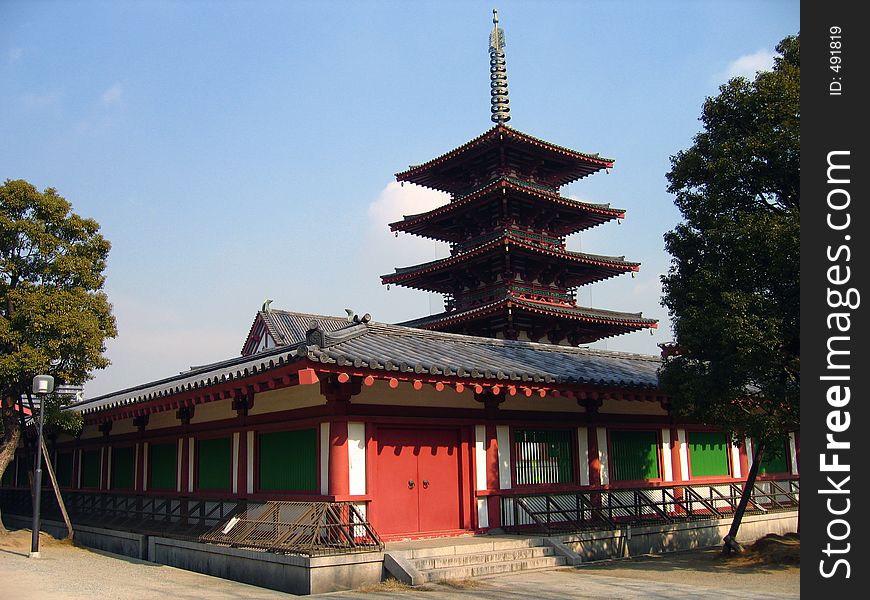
(288,460)
(634,455)
(778,464)
(63,468)
(215,463)
(162,466)
(123,467)
(91,464)
(708,454)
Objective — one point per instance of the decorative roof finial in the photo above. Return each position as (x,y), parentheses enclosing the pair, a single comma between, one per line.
(498,74)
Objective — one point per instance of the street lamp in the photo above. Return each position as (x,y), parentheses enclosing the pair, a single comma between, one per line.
(43,385)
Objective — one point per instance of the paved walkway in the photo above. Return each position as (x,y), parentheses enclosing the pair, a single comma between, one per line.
(68,573)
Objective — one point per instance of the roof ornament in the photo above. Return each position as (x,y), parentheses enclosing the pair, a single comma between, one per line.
(498,74)
(266,308)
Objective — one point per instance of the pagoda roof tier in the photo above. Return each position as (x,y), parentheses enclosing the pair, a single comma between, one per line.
(448,222)
(439,275)
(586,324)
(504,149)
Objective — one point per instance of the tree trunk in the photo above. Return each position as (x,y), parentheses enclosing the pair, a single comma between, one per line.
(10,438)
(730,541)
(60,503)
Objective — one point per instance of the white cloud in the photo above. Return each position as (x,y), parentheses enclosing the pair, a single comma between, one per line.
(113,95)
(749,64)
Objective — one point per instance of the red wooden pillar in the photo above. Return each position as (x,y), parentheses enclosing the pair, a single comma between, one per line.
(339,466)
(744,460)
(493,505)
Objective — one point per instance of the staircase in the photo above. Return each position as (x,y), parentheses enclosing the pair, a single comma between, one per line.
(471,559)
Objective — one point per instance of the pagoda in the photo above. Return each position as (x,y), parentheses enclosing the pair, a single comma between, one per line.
(509,274)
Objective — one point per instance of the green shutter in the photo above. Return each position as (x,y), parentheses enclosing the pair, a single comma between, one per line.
(634,455)
(63,468)
(162,466)
(708,454)
(543,456)
(91,468)
(772,465)
(123,468)
(215,463)
(288,460)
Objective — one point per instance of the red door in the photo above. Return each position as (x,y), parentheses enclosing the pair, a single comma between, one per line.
(418,480)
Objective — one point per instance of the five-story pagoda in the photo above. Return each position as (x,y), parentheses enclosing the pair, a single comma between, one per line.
(509,274)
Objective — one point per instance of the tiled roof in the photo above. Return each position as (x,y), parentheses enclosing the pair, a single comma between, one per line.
(582,313)
(288,328)
(405,350)
(575,164)
(417,223)
(605,266)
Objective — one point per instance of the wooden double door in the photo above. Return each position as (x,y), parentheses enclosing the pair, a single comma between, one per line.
(418,480)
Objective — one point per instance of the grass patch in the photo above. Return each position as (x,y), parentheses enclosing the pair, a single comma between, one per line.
(392,585)
(462,584)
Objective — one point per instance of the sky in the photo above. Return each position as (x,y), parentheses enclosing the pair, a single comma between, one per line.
(237,151)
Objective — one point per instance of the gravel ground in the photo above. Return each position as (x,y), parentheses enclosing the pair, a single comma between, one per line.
(66,572)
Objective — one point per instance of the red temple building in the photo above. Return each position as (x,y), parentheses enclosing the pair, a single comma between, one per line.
(335,450)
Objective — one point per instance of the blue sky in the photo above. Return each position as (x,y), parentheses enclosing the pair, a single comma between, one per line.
(237,151)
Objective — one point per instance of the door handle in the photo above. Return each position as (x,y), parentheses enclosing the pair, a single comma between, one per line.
(426,484)
(410,484)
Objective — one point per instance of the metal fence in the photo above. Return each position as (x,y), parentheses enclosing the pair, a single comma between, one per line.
(596,509)
(311,528)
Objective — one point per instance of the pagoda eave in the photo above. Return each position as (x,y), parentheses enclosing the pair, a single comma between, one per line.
(566,165)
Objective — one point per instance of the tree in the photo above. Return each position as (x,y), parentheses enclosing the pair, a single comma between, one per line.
(54,318)
(733,286)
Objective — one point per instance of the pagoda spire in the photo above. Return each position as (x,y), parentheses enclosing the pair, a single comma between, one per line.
(498,74)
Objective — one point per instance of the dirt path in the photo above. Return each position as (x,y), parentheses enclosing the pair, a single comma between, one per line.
(66,572)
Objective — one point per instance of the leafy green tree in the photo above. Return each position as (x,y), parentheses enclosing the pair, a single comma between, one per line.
(733,286)
(54,318)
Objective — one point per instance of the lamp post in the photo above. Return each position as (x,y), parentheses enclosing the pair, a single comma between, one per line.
(43,385)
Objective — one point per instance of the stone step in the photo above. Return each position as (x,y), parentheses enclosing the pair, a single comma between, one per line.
(494,568)
(475,547)
(465,559)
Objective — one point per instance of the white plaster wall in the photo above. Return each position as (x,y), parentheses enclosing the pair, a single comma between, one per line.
(632,407)
(145,453)
(667,463)
(480,457)
(583,454)
(684,455)
(288,398)
(405,395)
(213,411)
(249,478)
(503,435)
(356,456)
(735,460)
(601,434)
(236,462)
(324,458)
(191,444)
(482,513)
